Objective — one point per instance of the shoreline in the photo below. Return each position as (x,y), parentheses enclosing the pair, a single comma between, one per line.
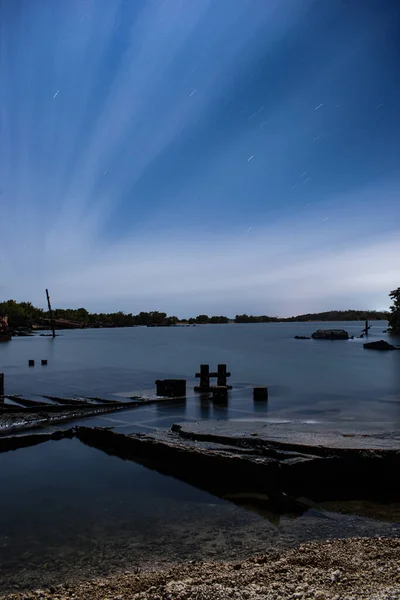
(339,569)
(37,329)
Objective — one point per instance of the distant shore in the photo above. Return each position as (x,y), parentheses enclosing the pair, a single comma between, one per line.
(40,329)
(18,316)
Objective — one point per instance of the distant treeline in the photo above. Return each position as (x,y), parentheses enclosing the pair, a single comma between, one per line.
(253,319)
(204,319)
(343,315)
(25,315)
(333,315)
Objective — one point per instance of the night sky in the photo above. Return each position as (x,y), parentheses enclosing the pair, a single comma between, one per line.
(200,156)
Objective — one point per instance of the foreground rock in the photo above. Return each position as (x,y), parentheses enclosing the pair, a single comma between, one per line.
(15,442)
(379,345)
(349,569)
(330,334)
(281,462)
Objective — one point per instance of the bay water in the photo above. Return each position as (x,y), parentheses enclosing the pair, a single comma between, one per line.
(68,511)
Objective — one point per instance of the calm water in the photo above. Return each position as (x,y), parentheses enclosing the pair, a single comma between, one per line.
(328,381)
(68,510)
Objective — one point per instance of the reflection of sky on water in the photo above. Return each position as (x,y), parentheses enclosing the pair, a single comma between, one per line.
(324,381)
(67,508)
(97,510)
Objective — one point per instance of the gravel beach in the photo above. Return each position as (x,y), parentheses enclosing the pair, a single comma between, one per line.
(345,569)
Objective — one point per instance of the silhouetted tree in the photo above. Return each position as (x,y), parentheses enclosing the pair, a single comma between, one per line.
(202,319)
(252,319)
(219,319)
(394,317)
(20,314)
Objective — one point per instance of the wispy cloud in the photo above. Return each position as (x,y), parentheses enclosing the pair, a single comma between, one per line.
(299,264)
(126,133)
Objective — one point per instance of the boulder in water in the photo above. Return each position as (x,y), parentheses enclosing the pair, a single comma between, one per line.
(301,337)
(330,334)
(379,345)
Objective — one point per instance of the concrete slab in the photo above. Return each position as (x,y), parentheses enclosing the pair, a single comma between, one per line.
(300,435)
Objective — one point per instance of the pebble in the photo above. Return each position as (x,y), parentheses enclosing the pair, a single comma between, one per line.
(336,576)
(316,571)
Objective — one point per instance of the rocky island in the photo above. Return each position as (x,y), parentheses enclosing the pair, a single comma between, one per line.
(330,334)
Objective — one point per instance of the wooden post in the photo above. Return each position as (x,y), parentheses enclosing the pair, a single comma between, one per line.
(204,376)
(366,327)
(222,374)
(171,388)
(260,393)
(51,313)
(1,387)
(220,394)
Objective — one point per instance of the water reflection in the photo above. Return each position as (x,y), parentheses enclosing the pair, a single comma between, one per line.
(67,509)
(174,406)
(260,406)
(315,375)
(205,407)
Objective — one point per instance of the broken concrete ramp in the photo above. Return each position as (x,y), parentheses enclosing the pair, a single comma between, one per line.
(279,462)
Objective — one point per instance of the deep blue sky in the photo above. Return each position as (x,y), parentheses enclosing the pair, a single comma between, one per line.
(216,156)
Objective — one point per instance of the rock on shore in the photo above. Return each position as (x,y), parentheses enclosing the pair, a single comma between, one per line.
(348,569)
(379,345)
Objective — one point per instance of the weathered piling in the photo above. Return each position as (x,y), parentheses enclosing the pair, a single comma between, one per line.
(260,393)
(31,362)
(44,361)
(205,375)
(171,388)
(50,313)
(220,394)
(222,375)
(1,387)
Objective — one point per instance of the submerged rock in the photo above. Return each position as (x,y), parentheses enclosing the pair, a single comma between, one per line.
(301,337)
(330,334)
(379,345)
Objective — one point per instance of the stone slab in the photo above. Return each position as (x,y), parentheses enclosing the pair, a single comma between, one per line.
(300,435)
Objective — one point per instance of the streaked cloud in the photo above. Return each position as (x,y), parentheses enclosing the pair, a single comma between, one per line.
(219,156)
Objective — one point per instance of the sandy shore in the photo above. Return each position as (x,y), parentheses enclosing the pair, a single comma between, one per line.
(349,569)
